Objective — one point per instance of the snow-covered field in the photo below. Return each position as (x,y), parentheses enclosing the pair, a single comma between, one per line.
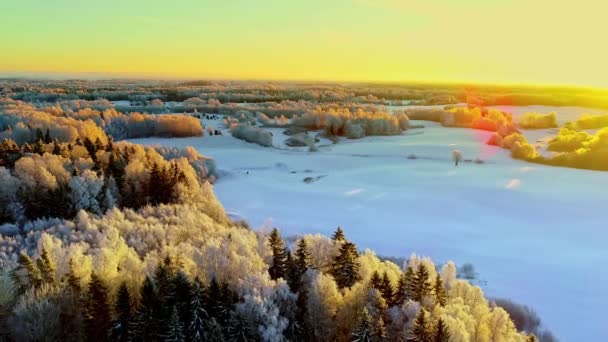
(534,233)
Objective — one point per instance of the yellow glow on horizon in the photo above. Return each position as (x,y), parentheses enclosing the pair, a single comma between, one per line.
(491,41)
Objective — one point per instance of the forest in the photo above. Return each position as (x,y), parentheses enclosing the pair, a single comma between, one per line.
(102,239)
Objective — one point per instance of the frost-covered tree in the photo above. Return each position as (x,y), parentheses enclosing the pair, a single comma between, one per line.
(196,328)
(364,331)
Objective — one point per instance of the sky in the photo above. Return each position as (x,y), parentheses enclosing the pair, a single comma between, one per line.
(554,42)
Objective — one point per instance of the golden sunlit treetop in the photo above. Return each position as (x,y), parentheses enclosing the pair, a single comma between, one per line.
(490,41)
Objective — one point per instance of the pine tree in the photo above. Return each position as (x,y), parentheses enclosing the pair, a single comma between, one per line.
(363,332)
(214,331)
(345,268)
(238,329)
(400,295)
(38,135)
(183,297)
(122,309)
(292,274)
(278,268)
(386,288)
(98,319)
(197,326)
(379,330)
(56,148)
(338,235)
(420,285)
(303,256)
(145,327)
(26,274)
(419,332)
(73,280)
(46,267)
(47,137)
(175,330)
(440,292)
(156,184)
(375,281)
(441,334)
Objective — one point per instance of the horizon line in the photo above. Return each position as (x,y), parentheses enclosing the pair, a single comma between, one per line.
(117,76)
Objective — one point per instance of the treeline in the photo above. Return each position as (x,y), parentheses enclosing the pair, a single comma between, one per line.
(52,179)
(341,121)
(67,122)
(300,295)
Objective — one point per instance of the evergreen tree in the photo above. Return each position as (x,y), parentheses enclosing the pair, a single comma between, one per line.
(419,332)
(278,268)
(375,281)
(214,331)
(26,274)
(145,327)
(197,326)
(345,267)
(183,298)
(386,288)
(379,330)
(292,274)
(46,267)
(441,334)
(303,256)
(73,280)
(238,329)
(98,319)
(363,332)
(122,309)
(421,286)
(441,297)
(298,266)
(47,137)
(400,295)
(175,330)
(410,282)
(56,148)
(39,137)
(338,235)
(156,184)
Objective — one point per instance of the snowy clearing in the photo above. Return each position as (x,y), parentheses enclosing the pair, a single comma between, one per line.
(534,233)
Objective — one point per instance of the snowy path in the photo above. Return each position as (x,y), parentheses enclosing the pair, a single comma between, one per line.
(536,234)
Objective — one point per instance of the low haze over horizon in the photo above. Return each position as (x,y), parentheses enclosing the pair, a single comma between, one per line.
(522,42)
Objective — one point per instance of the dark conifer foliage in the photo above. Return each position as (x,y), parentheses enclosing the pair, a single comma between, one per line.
(441,333)
(338,235)
(121,326)
(345,267)
(440,292)
(98,319)
(420,284)
(420,331)
(278,269)
(363,332)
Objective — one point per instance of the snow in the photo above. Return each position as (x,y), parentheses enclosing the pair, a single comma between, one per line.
(536,234)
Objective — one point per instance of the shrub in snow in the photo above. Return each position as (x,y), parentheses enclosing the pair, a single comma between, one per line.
(533,120)
(252,134)
(300,139)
